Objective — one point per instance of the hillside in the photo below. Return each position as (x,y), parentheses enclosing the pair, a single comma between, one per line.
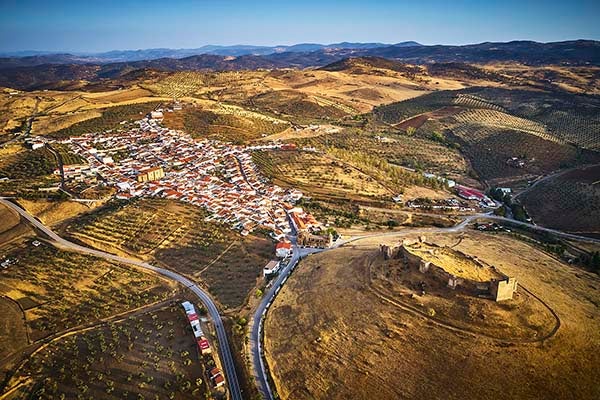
(348,324)
(365,65)
(505,132)
(569,201)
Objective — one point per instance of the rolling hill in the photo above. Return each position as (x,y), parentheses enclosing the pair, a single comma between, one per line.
(42,68)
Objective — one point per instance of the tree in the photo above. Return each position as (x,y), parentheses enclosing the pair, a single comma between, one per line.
(392,224)
(501,211)
(595,261)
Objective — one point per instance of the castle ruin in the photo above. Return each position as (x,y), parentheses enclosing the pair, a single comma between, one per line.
(456,270)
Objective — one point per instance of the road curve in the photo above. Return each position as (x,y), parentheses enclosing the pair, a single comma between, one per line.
(259,371)
(224,349)
(463,224)
(260,374)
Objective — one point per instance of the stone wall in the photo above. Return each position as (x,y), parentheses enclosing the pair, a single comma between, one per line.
(310,240)
(499,290)
(504,289)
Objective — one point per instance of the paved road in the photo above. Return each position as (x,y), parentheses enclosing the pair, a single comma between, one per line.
(564,235)
(466,222)
(225,352)
(259,371)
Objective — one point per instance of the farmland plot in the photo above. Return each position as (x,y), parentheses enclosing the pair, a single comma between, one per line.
(225,124)
(489,149)
(59,290)
(147,355)
(179,236)
(318,175)
(568,202)
(412,152)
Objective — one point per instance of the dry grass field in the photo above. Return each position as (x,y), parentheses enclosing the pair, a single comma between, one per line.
(330,335)
(8,219)
(53,212)
(571,79)
(54,110)
(334,93)
(177,235)
(11,227)
(53,123)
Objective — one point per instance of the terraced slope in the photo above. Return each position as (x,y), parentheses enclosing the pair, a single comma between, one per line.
(507,133)
(569,202)
(566,118)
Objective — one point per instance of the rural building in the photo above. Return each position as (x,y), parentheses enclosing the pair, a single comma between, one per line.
(453,269)
(214,372)
(192,317)
(156,115)
(219,380)
(216,377)
(150,174)
(188,307)
(302,220)
(204,346)
(308,239)
(283,249)
(473,194)
(196,328)
(271,268)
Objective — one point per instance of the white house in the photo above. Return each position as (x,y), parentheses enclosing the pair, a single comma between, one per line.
(283,249)
(271,268)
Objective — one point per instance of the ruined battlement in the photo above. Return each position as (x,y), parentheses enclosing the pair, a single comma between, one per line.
(455,269)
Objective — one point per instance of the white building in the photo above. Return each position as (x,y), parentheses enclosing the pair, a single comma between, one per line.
(271,268)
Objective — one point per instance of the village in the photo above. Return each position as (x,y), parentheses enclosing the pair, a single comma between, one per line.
(149,160)
(152,161)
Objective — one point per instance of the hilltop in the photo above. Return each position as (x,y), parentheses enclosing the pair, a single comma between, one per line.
(386,336)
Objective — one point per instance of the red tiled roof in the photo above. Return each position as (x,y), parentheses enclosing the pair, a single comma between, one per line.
(192,317)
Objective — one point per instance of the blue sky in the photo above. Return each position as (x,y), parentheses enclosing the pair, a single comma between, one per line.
(87,25)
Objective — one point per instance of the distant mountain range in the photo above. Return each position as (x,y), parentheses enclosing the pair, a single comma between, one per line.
(35,71)
(41,57)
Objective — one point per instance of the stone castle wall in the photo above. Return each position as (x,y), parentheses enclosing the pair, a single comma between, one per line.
(499,290)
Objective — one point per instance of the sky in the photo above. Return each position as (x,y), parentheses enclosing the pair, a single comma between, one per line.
(95,26)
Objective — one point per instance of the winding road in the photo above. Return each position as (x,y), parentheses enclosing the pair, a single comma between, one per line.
(259,371)
(224,349)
